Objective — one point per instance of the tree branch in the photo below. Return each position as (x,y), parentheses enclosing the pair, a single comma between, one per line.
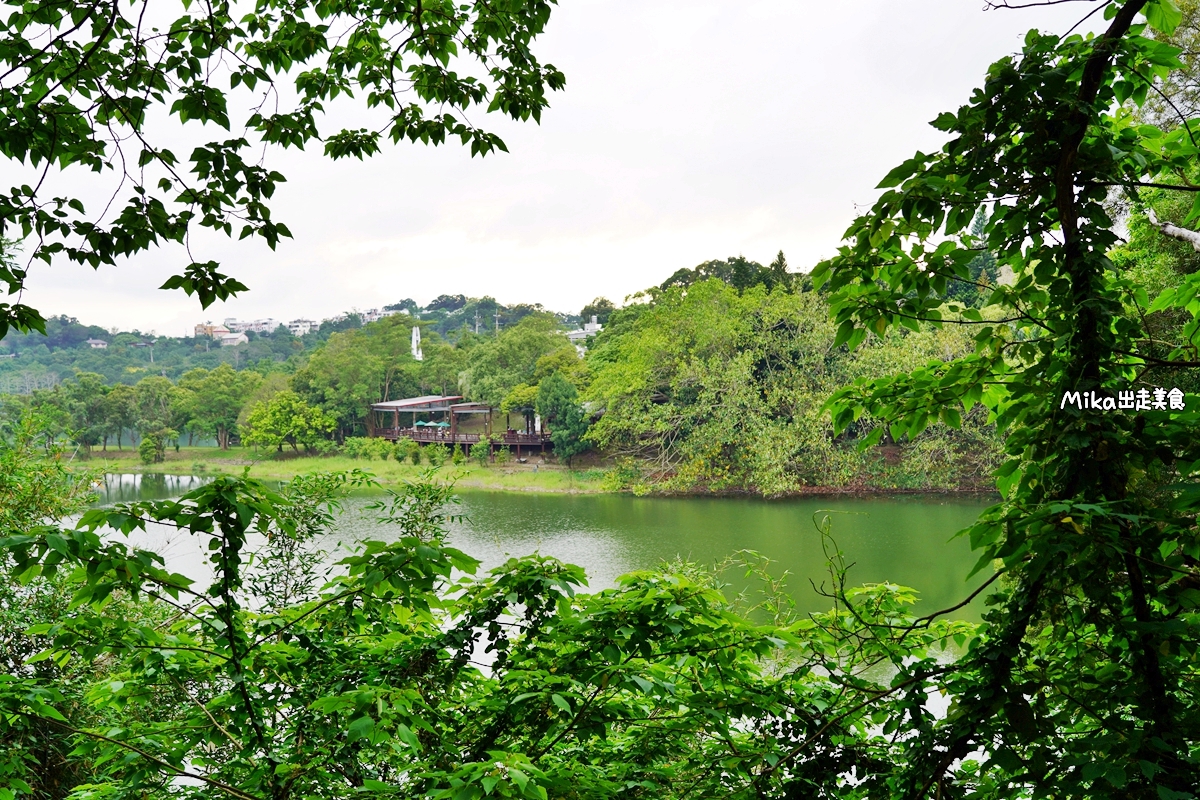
(1173,231)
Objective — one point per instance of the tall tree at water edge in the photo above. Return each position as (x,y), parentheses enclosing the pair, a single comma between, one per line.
(1083,679)
(80,84)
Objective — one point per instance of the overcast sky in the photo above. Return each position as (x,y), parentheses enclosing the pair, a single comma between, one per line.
(689,130)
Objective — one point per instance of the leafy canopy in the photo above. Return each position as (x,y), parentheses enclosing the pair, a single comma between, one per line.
(1080,682)
(86,88)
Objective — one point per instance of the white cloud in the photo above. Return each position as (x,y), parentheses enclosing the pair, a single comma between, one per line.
(687,131)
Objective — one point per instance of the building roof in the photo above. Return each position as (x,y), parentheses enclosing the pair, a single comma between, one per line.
(470,408)
(429,402)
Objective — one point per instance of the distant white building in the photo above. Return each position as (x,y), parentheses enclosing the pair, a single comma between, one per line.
(258,326)
(234,339)
(579,337)
(374,315)
(97,344)
(588,330)
(300,327)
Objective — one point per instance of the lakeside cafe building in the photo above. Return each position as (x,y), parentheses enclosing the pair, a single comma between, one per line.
(439,419)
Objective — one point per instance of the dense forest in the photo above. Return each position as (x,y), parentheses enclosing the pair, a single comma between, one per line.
(34,359)
(713,380)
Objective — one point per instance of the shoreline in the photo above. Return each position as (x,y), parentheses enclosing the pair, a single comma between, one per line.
(511,477)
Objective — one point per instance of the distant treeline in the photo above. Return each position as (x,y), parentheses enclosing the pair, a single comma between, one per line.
(36,361)
(714,380)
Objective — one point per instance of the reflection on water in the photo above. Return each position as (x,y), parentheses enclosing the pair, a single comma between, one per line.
(905,540)
(151,486)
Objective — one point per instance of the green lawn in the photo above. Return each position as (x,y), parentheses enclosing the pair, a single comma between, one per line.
(528,477)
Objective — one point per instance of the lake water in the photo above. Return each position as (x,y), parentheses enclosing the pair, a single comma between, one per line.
(906,540)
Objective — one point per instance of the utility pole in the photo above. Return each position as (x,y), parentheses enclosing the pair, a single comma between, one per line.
(497,323)
(477,322)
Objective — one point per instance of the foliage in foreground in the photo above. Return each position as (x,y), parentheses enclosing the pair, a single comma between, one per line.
(410,675)
(85,80)
(1083,681)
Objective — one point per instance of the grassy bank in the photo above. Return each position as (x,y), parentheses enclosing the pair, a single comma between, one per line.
(515,477)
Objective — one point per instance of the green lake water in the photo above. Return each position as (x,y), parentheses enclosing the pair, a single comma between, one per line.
(906,540)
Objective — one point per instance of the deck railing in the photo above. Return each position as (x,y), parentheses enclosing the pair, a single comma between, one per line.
(443,436)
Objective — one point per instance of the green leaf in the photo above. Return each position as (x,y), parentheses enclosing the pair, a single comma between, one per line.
(1163,15)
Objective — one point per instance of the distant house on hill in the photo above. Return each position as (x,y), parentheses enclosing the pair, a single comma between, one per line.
(233,325)
(233,339)
(211,331)
(96,344)
(374,314)
(579,337)
(300,327)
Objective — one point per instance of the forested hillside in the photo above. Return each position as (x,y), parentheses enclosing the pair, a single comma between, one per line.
(34,360)
(714,380)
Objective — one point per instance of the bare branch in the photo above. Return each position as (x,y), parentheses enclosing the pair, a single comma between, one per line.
(1174,231)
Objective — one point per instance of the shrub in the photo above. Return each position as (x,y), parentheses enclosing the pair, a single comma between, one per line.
(153,447)
(414,455)
(324,447)
(436,453)
(457,456)
(404,449)
(481,452)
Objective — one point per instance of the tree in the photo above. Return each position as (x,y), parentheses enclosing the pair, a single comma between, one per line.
(443,362)
(407,304)
(120,411)
(499,364)
(712,389)
(737,271)
(1176,95)
(357,368)
(287,419)
(601,308)
(217,398)
(522,398)
(84,83)
(1079,682)
(37,483)
(447,302)
(779,275)
(558,405)
(84,395)
(270,386)
(162,410)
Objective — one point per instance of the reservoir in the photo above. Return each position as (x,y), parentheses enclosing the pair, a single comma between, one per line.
(908,540)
